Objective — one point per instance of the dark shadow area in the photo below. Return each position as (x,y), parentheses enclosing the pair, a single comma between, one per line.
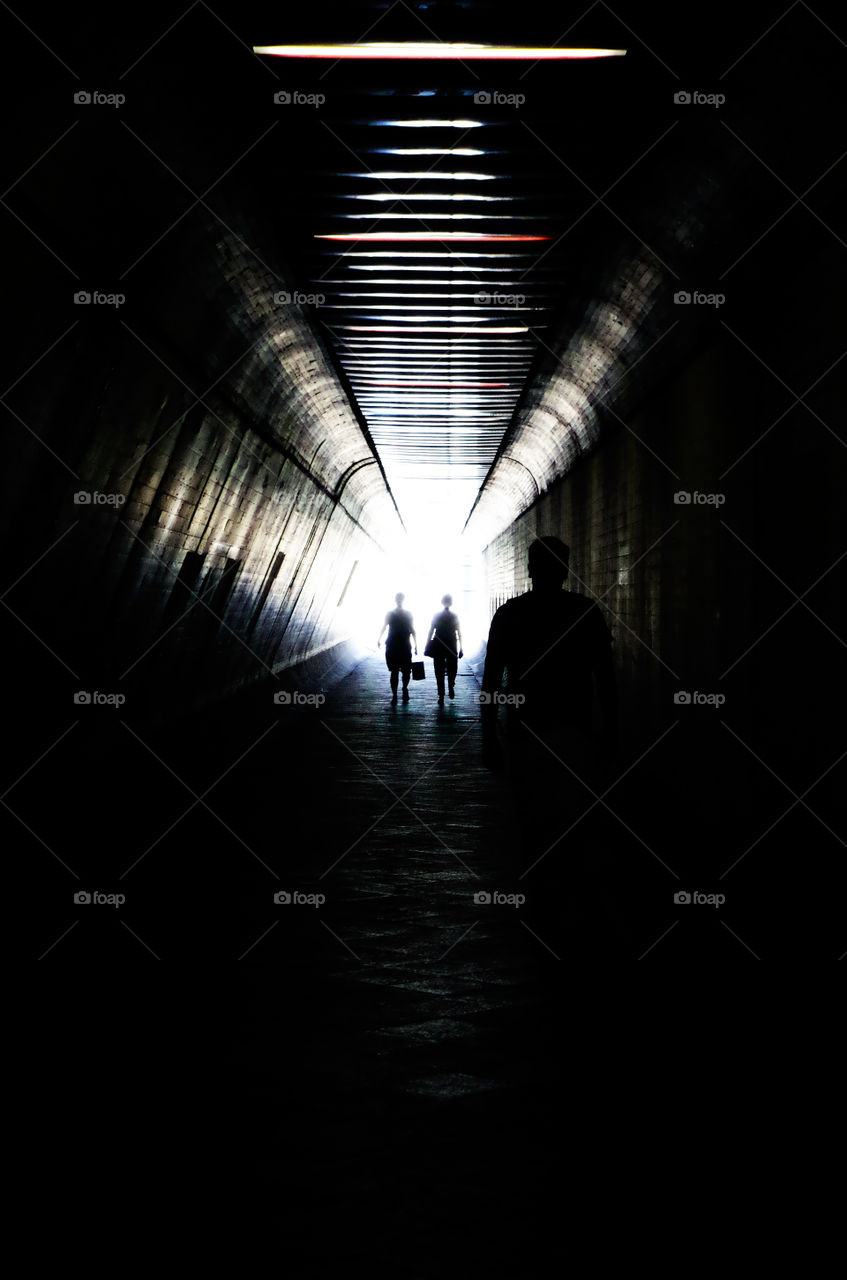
(210,412)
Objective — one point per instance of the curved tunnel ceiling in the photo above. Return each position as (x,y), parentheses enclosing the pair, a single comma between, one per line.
(426,244)
(303,402)
(491,307)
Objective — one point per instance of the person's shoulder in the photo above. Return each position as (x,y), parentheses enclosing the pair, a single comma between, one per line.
(588,610)
(517,602)
(579,603)
(511,611)
(507,607)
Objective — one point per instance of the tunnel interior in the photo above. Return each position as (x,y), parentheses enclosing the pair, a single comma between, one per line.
(297,329)
(268,419)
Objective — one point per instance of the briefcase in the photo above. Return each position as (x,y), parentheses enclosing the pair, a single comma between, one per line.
(418,672)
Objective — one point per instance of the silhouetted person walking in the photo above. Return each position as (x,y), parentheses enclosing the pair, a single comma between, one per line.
(398,648)
(555,650)
(444,646)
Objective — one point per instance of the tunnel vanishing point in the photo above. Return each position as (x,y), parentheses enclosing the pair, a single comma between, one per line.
(313,305)
(308,306)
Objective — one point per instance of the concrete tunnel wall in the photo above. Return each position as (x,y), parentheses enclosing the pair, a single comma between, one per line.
(276,462)
(260,499)
(692,593)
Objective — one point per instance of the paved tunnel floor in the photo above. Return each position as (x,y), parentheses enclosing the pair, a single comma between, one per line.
(412,1049)
(402,1057)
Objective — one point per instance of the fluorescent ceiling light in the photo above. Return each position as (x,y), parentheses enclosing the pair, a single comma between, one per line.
(368,293)
(435,50)
(419,253)
(420,195)
(443,217)
(388,328)
(427,124)
(428,151)
(424,235)
(392,266)
(420,382)
(404,175)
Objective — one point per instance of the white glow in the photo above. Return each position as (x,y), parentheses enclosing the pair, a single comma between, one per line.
(422,236)
(429,124)
(404,175)
(429,151)
(421,253)
(392,266)
(414,382)
(433,51)
(370,293)
(387,328)
(384,196)
(452,407)
(401,306)
(478,286)
(424,567)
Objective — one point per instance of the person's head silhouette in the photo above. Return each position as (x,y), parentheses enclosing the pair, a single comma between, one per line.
(548,563)
(446,601)
(399,598)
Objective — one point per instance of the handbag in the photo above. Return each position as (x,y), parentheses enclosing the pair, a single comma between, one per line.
(429,649)
(418,671)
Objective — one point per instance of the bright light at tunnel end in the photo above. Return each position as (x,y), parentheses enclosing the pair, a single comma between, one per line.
(423,567)
(433,50)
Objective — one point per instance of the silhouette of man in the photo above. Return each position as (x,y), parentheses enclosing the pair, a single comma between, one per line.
(555,650)
(444,646)
(398,648)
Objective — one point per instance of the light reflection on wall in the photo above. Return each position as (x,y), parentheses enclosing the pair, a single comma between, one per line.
(560,417)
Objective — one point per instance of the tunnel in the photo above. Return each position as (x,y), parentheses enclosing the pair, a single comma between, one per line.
(313,305)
